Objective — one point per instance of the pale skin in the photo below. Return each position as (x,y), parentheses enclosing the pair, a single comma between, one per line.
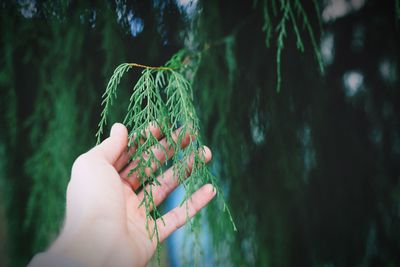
(104,224)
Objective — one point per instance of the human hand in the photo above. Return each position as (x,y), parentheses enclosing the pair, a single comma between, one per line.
(104,225)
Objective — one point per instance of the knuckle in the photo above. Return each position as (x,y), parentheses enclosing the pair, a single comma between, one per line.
(195,206)
(175,217)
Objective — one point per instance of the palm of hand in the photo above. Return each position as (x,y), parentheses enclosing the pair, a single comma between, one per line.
(103,189)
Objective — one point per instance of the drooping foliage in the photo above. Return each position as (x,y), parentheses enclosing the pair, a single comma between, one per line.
(285,12)
(311,173)
(162,97)
(307,148)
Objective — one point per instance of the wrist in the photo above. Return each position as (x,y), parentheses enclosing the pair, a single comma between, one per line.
(94,245)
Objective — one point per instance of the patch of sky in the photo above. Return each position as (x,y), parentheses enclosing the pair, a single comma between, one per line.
(328,48)
(187,7)
(180,243)
(136,24)
(128,18)
(257,125)
(353,82)
(120,9)
(335,9)
(388,71)
(257,130)
(309,158)
(27,8)
(92,19)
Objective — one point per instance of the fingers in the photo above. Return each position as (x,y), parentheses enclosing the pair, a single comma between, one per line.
(154,129)
(169,180)
(160,155)
(112,147)
(177,217)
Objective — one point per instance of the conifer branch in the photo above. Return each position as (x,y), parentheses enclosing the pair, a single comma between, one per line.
(319,16)
(149,67)
(290,12)
(267,28)
(109,95)
(311,34)
(285,7)
(299,41)
(162,96)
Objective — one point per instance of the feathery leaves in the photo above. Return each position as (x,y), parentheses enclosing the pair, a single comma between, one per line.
(162,97)
(294,12)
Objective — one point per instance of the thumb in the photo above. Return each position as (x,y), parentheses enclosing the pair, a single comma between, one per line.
(112,147)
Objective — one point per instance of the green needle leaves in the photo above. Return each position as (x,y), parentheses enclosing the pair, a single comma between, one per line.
(162,97)
(286,11)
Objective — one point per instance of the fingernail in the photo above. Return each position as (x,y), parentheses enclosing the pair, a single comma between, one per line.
(209,188)
(207,151)
(116,129)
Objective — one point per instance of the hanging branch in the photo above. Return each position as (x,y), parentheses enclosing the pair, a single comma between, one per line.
(311,34)
(164,97)
(281,28)
(294,13)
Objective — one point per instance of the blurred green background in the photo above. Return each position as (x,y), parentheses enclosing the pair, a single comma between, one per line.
(312,173)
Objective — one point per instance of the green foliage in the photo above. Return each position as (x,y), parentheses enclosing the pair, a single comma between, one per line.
(289,11)
(288,212)
(109,95)
(162,97)
(54,124)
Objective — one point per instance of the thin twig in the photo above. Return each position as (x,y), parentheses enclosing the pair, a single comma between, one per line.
(149,67)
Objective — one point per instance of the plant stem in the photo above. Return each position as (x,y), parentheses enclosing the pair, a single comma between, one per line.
(149,67)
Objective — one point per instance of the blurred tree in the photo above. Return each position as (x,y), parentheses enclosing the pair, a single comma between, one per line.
(312,172)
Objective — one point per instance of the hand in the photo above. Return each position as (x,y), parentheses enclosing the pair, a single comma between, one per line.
(104,225)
